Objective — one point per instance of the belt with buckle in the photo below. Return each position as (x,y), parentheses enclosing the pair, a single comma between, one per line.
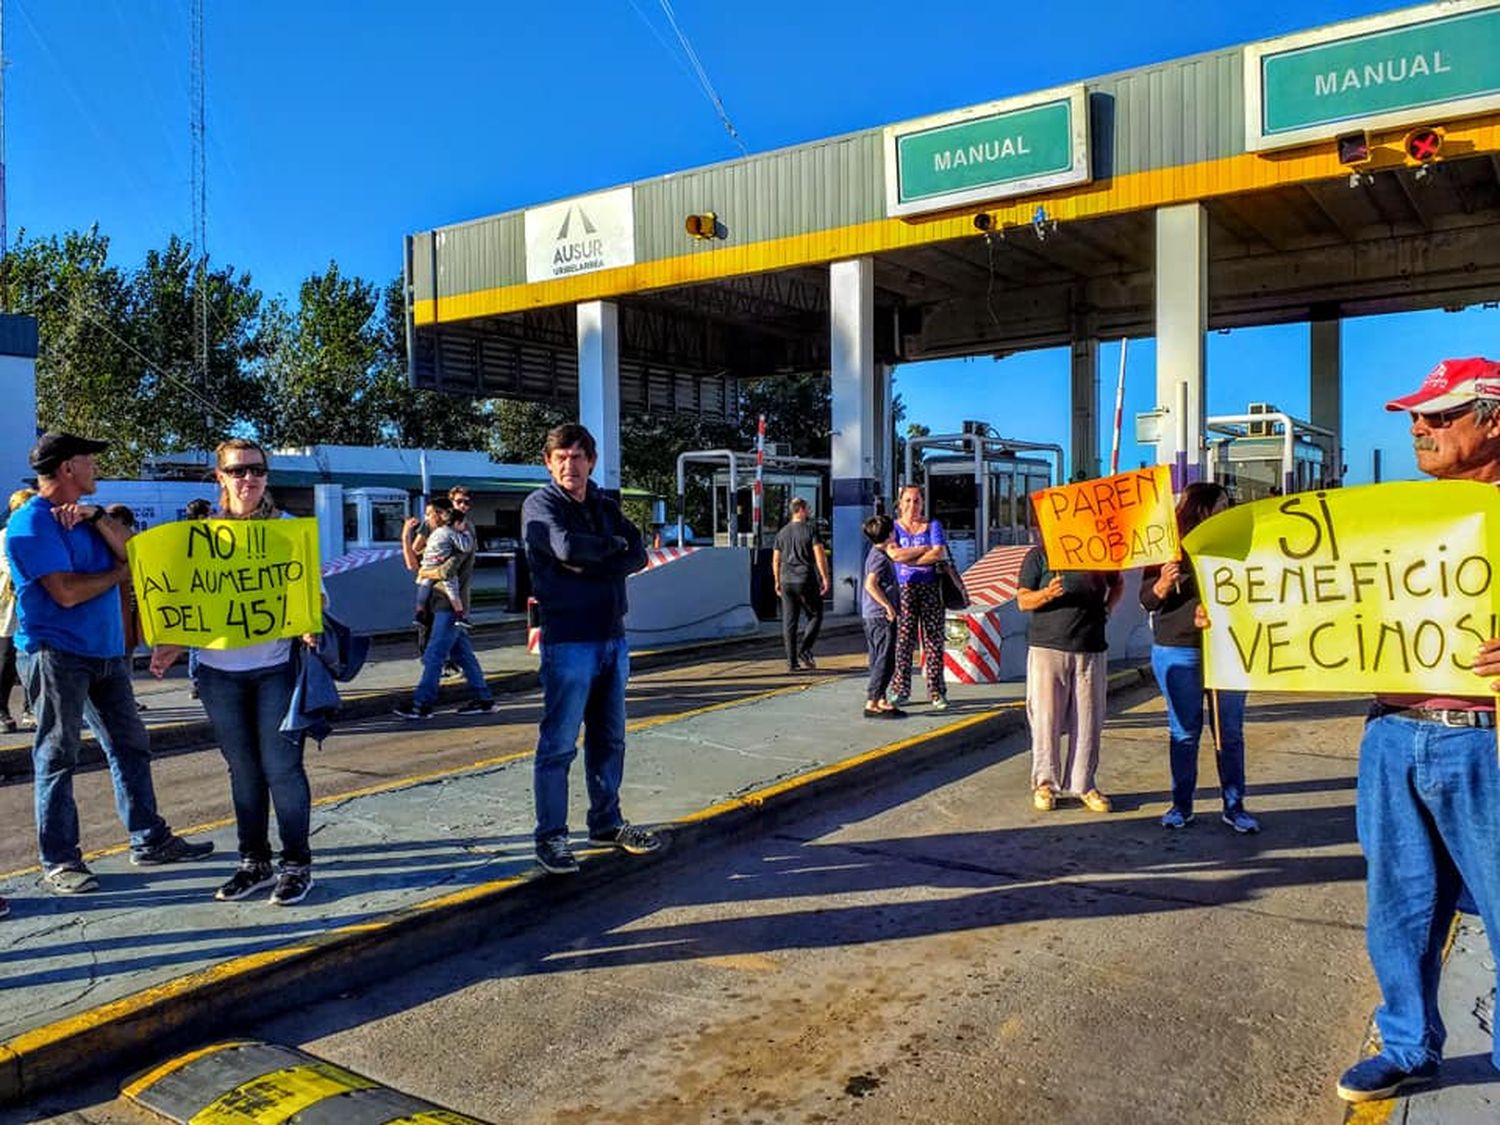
(1483,720)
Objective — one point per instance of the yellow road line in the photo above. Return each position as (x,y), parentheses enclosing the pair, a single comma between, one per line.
(438,775)
(155,1074)
(761,796)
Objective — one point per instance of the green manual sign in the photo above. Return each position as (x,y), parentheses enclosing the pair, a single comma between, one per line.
(1419,66)
(987,152)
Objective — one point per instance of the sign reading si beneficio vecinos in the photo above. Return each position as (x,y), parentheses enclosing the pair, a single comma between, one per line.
(227,583)
(1383,588)
(1113,523)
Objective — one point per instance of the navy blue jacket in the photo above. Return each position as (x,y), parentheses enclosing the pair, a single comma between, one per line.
(580,554)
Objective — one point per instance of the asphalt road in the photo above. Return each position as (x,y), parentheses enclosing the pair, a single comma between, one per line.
(936,952)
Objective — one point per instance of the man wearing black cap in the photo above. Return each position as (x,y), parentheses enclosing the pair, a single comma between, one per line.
(1428,800)
(67,560)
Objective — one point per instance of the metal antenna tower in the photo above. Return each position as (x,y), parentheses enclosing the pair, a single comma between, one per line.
(200,193)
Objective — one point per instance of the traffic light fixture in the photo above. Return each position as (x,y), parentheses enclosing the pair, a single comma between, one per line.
(1423,144)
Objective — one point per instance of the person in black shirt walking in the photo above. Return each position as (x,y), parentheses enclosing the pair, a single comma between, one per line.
(800,566)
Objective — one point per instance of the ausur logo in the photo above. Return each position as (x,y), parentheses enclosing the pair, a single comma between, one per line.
(576,251)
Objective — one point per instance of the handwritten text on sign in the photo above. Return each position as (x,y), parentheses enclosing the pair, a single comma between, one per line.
(227,583)
(1114,523)
(1383,588)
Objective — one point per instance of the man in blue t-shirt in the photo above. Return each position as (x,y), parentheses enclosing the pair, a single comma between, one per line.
(67,560)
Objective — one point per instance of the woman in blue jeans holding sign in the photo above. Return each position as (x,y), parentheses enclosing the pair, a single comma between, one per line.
(247,692)
(1170,594)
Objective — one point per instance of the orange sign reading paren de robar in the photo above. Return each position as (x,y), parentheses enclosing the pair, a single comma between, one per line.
(1113,523)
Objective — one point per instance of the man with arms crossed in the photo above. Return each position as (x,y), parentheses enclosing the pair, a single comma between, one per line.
(580,548)
(1428,804)
(68,560)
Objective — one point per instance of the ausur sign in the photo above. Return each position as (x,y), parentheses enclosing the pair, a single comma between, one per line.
(1419,66)
(987,152)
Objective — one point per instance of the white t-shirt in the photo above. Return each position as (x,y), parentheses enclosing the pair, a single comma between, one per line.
(251,658)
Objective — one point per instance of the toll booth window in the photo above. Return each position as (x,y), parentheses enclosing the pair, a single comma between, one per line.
(351,522)
(951,499)
(1002,500)
(386,519)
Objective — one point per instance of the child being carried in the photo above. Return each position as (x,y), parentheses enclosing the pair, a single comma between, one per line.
(442,555)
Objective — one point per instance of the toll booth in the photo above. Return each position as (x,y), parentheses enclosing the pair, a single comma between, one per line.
(733,511)
(1265,452)
(977,485)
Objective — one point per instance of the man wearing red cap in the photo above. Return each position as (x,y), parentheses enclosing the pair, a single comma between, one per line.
(1428,804)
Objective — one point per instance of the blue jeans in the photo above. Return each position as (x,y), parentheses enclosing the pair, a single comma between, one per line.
(1428,811)
(444,641)
(583,684)
(62,687)
(265,765)
(1179,672)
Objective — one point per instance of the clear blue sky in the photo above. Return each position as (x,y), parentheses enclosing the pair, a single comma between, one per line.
(335,126)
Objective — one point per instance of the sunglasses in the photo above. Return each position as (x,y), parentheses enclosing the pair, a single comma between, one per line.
(460,500)
(1440,419)
(238,472)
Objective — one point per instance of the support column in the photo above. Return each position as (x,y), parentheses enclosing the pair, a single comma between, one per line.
(885,443)
(1326,392)
(855,418)
(1181,321)
(599,386)
(1083,452)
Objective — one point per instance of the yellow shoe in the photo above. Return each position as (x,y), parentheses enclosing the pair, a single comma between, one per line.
(1096,801)
(1043,798)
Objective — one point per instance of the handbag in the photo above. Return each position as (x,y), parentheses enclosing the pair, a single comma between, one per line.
(955,596)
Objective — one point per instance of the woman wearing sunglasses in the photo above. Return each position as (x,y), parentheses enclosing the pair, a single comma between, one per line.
(246,692)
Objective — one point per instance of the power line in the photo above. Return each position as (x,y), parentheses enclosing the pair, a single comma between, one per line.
(708,87)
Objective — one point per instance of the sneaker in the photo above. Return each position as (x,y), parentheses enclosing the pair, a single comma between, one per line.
(451,671)
(251,876)
(900,700)
(555,857)
(70,879)
(1043,799)
(28,720)
(1241,821)
(412,713)
(628,838)
(1096,801)
(1177,818)
(1378,1077)
(939,702)
(477,707)
(293,882)
(174,849)
(807,661)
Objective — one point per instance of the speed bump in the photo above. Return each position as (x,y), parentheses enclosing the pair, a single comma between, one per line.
(249,1083)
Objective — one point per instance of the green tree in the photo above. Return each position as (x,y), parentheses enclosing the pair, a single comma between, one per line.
(319,365)
(798,410)
(88,374)
(420,419)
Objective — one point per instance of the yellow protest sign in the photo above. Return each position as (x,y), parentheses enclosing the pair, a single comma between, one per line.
(227,583)
(1113,523)
(1381,588)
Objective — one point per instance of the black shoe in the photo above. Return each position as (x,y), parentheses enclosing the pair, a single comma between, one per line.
(807,661)
(8,724)
(252,875)
(628,838)
(412,713)
(174,849)
(477,707)
(555,857)
(292,884)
